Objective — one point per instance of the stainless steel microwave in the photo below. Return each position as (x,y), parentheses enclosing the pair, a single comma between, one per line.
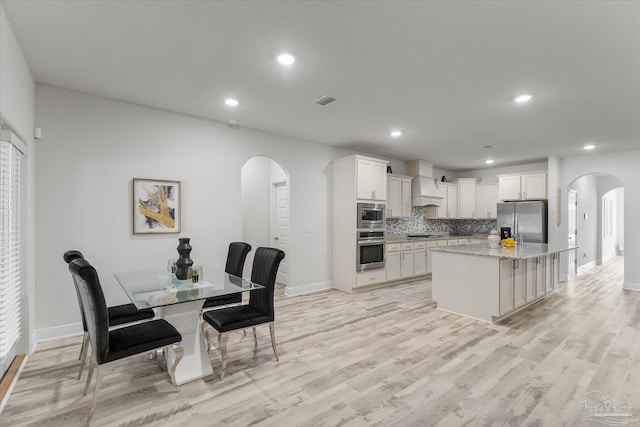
(371,215)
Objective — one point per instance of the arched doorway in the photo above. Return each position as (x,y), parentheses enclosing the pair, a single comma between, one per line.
(264,187)
(595,220)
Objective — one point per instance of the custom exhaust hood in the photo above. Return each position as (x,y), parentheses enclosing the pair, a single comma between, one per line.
(424,191)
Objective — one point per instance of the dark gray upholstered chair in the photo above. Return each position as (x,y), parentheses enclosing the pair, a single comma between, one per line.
(260,309)
(118,314)
(235,264)
(108,346)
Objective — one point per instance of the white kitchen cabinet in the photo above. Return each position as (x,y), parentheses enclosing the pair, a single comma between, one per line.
(487,201)
(453,242)
(531,186)
(530,278)
(467,198)
(392,264)
(534,186)
(407,260)
(552,276)
(371,277)
(452,199)
(506,286)
(371,179)
(519,291)
(398,196)
(420,259)
(540,276)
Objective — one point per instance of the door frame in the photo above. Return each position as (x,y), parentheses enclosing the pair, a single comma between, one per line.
(272,215)
(572,270)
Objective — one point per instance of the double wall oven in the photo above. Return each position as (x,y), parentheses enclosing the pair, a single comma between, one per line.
(370,236)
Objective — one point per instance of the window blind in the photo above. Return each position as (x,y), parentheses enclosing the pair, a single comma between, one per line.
(10,243)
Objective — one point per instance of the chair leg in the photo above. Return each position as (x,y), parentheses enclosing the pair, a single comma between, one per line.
(255,338)
(84,353)
(92,363)
(177,348)
(222,345)
(85,338)
(273,340)
(205,332)
(96,392)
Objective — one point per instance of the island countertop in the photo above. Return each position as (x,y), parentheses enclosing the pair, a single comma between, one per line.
(524,251)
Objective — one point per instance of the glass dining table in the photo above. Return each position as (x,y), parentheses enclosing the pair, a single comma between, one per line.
(180,303)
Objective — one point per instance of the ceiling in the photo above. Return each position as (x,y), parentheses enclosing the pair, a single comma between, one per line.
(445,73)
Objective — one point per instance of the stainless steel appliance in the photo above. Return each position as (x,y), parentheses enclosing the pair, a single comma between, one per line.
(526,219)
(371,215)
(370,250)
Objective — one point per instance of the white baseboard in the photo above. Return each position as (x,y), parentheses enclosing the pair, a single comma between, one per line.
(291,291)
(631,286)
(55,332)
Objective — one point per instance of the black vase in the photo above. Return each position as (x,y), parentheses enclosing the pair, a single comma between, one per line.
(184,262)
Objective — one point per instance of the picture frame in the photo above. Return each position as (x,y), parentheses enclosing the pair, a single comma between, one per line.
(156,206)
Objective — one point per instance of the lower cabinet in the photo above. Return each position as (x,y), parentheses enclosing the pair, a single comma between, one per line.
(523,281)
(371,277)
(430,256)
(406,260)
(420,259)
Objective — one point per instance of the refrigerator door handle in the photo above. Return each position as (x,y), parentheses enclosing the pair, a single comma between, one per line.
(515,224)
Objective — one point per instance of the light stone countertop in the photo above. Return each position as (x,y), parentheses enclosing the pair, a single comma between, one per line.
(403,238)
(526,250)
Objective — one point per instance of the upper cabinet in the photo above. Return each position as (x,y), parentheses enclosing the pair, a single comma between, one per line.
(450,191)
(530,186)
(371,179)
(398,196)
(486,201)
(467,197)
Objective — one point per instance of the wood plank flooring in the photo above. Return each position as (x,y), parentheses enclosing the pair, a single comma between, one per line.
(381,358)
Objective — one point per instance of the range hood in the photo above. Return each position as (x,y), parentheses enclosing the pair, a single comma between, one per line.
(424,191)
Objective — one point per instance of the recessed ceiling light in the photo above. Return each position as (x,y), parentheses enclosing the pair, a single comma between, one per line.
(231,102)
(395,133)
(589,147)
(523,98)
(488,161)
(286,59)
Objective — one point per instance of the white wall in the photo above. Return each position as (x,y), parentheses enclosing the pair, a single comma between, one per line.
(624,166)
(92,148)
(620,219)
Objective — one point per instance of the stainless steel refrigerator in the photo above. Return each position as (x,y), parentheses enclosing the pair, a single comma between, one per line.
(528,219)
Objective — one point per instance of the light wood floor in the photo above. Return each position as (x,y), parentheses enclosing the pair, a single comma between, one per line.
(381,358)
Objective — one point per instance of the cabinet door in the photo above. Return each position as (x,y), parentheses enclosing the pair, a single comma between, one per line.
(509,187)
(406,198)
(392,264)
(492,201)
(540,276)
(530,278)
(519,294)
(482,201)
(379,181)
(452,201)
(394,197)
(552,275)
(442,210)
(406,264)
(466,198)
(420,262)
(364,178)
(534,186)
(506,286)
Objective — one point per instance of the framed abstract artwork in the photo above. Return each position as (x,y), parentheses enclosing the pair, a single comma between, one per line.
(156,206)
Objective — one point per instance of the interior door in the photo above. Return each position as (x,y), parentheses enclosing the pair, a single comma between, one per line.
(280,226)
(572,225)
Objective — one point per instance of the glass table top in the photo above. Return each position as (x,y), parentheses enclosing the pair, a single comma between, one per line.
(157,288)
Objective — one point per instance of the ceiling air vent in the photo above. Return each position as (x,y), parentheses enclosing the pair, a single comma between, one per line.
(324,100)
(489,147)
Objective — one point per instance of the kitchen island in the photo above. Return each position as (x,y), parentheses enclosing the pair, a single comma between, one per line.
(491,284)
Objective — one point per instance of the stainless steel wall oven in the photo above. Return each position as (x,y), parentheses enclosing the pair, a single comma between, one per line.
(370,250)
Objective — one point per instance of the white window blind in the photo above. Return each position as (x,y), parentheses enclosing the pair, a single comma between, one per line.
(10,242)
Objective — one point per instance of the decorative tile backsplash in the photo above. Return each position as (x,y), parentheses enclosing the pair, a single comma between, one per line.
(420,224)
